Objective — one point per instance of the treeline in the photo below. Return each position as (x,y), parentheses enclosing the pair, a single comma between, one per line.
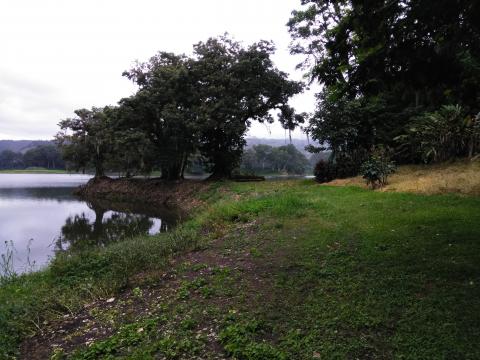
(399,77)
(400,81)
(198,106)
(45,156)
(265,159)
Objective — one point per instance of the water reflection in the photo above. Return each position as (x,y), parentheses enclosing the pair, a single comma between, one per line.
(40,221)
(81,230)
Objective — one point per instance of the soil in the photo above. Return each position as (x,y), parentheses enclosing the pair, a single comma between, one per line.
(177,194)
(73,331)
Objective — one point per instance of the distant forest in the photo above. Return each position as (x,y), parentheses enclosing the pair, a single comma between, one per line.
(262,155)
(44,155)
(22,146)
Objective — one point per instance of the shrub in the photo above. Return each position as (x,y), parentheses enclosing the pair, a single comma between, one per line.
(377,169)
(324,171)
(348,166)
(445,134)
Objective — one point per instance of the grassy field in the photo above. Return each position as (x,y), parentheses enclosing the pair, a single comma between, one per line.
(34,170)
(273,270)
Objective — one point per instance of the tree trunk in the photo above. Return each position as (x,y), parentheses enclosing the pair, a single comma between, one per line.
(171,172)
(417,98)
(184,165)
(99,171)
(98,224)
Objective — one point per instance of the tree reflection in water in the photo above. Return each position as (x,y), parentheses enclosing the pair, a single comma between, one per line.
(81,231)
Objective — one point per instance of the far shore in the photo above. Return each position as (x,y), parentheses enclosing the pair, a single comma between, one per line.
(36,171)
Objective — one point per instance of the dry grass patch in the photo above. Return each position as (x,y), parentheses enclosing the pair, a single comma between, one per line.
(462,177)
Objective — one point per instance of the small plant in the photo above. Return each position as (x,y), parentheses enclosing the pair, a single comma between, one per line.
(377,168)
(242,339)
(7,270)
(57,354)
(137,292)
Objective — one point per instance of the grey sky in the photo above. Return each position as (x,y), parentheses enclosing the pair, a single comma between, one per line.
(61,55)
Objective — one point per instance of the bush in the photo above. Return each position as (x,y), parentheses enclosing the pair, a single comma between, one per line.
(443,135)
(348,166)
(377,169)
(325,171)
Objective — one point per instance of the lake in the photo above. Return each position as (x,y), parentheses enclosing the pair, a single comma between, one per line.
(39,216)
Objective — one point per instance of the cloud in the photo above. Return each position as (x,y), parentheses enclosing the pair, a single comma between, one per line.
(28,109)
(58,56)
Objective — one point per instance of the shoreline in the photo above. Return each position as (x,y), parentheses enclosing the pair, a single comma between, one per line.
(262,266)
(157,192)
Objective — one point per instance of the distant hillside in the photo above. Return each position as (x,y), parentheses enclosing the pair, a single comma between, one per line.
(21,146)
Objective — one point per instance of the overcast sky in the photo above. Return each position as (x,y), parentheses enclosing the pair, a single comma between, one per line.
(61,55)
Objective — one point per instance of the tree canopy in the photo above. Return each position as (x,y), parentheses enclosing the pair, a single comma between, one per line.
(266,159)
(46,156)
(198,105)
(383,63)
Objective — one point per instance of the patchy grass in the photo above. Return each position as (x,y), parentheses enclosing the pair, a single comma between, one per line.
(281,270)
(34,170)
(30,301)
(462,177)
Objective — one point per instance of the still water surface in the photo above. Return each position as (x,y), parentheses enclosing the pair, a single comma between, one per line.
(40,216)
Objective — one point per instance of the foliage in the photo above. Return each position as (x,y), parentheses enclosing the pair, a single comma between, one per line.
(318,156)
(377,168)
(42,156)
(200,106)
(86,139)
(239,340)
(162,110)
(11,160)
(325,171)
(46,156)
(442,135)
(75,278)
(382,64)
(237,86)
(267,159)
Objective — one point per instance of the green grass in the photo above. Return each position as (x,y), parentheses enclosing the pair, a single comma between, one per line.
(34,170)
(335,273)
(70,281)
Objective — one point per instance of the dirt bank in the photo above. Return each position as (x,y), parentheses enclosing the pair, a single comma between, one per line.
(157,192)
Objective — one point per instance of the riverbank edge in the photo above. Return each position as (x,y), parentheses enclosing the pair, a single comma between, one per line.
(181,195)
(245,237)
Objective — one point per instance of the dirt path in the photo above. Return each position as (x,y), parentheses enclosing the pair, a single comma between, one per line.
(163,290)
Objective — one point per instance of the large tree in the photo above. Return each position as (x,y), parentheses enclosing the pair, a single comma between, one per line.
(163,108)
(86,140)
(206,102)
(383,62)
(236,86)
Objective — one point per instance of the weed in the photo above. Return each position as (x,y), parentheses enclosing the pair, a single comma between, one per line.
(239,338)
(137,292)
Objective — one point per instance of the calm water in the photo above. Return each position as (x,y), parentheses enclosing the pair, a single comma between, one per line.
(39,216)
